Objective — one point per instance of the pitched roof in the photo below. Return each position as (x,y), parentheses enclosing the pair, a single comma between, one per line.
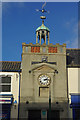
(73,57)
(11,66)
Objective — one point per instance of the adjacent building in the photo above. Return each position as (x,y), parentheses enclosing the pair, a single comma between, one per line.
(9,89)
(73,75)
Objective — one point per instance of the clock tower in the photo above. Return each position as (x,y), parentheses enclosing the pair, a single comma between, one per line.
(43,88)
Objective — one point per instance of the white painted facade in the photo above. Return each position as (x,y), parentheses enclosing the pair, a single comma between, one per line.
(14,91)
(73,80)
(73,84)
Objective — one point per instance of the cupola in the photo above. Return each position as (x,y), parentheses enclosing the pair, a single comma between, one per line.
(42,32)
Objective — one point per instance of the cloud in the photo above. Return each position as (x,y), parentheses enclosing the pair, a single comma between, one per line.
(67,42)
(73,42)
(6,7)
(70,23)
(72,27)
(75,28)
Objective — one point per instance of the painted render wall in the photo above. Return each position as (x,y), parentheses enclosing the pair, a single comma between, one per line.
(29,87)
(73,85)
(73,80)
(14,91)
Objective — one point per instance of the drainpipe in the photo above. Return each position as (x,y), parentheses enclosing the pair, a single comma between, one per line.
(19,95)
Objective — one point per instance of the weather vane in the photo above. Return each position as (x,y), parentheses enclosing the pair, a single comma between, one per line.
(43,10)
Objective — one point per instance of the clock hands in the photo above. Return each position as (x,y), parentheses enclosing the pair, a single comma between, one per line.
(45,79)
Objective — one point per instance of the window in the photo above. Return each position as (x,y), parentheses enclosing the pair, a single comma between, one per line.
(35,49)
(26,49)
(5,84)
(43,92)
(61,49)
(44,49)
(52,50)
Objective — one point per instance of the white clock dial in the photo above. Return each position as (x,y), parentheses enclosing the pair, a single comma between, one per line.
(44,79)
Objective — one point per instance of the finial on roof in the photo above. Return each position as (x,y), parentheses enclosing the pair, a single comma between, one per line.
(43,10)
(42,21)
(42,32)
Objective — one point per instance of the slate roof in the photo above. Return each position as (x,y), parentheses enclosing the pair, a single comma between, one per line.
(10,66)
(73,57)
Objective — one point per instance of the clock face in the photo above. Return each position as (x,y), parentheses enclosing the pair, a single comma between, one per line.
(44,79)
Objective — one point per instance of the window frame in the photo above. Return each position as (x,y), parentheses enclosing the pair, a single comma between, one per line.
(46,87)
(9,75)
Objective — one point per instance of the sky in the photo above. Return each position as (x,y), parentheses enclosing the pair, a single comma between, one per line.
(20,21)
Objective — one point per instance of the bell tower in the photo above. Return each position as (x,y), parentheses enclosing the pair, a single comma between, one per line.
(42,33)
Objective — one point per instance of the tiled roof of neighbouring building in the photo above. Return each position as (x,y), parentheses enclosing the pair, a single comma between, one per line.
(11,66)
(73,57)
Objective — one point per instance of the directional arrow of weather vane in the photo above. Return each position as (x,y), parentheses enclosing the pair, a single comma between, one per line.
(43,10)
